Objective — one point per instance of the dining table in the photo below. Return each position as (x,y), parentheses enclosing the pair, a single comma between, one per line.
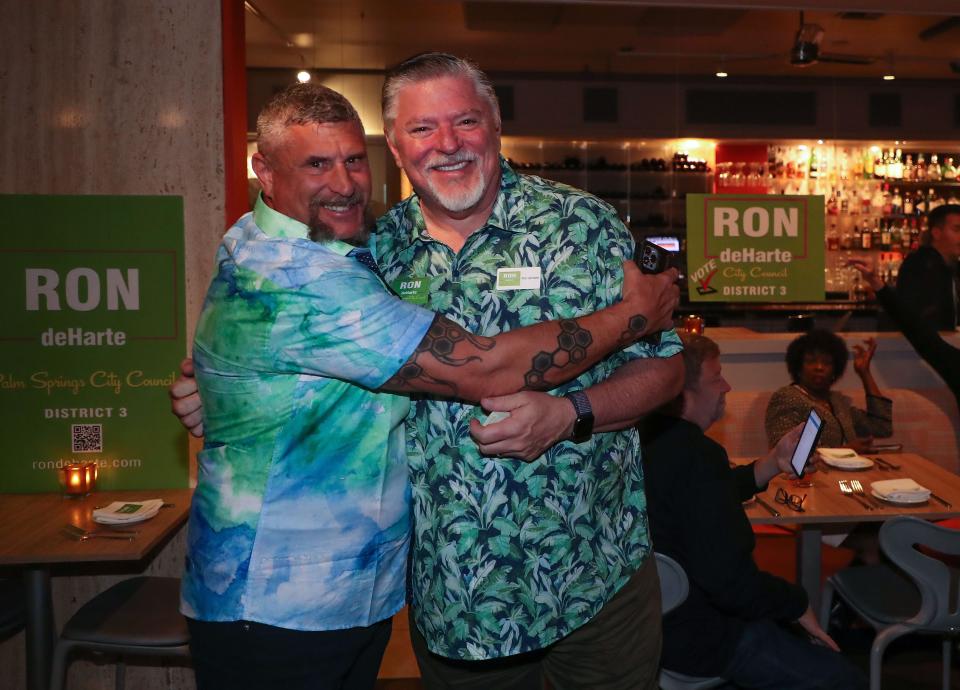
(37,539)
(826,507)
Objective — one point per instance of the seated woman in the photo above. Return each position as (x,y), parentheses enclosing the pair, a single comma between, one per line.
(816,360)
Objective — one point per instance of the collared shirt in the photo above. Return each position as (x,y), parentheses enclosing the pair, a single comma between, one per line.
(300,518)
(511,556)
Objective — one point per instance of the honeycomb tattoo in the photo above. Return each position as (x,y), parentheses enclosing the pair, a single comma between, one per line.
(439,342)
(572,344)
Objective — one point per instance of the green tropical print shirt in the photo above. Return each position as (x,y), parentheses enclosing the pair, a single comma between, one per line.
(511,556)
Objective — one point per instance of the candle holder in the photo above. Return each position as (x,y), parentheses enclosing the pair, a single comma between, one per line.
(78,479)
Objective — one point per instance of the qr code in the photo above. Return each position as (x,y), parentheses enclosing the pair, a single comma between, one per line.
(87,438)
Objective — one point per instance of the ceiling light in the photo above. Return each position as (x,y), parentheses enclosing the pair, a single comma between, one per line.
(889,77)
(303,76)
(722,75)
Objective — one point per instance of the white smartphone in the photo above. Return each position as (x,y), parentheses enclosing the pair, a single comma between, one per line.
(806,444)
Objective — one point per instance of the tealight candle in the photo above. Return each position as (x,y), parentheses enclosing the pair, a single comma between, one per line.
(74,480)
(78,479)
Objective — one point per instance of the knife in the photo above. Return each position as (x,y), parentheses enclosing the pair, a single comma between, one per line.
(946,504)
(770,509)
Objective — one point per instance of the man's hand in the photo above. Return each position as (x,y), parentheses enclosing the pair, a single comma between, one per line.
(873,280)
(777,459)
(185,399)
(809,623)
(655,297)
(537,421)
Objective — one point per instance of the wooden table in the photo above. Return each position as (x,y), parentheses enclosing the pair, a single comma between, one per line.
(32,539)
(826,505)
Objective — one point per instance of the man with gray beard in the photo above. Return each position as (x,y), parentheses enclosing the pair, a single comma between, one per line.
(519,569)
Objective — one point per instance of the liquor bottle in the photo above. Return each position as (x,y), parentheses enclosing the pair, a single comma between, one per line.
(907,203)
(887,207)
(868,163)
(846,239)
(885,237)
(865,236)
(876,202)
(815,157)
(833,237)
(908,169)
(920,174)
(833,206)
(844,201)
(933,170)
(880,166)
(934,200)
(866,199)
(905,237)
(895,166)
(952,199)
(914,235)
(896,202)
(919,203)
(949,171)
(875,235)
(857,171)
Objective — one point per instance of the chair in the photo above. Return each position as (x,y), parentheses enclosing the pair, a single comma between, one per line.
(139,616)
(922,598)
(674,588)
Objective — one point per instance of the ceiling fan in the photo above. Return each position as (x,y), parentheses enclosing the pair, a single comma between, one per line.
(806,49)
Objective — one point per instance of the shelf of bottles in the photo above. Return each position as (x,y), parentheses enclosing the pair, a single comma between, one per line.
(647,182)
(876,197)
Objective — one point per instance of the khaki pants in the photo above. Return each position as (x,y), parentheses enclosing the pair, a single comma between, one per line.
(619,649)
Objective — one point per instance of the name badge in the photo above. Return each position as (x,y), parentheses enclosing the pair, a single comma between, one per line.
(522,278)
(413,290)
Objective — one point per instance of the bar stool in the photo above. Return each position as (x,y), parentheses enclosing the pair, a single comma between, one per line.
(139,616)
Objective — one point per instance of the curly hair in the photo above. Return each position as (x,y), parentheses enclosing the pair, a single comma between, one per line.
(817,340)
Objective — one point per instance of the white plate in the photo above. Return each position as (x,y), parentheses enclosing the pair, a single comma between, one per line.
(855,463)
(911,502)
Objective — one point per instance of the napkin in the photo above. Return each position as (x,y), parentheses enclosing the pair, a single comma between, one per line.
(837,453)
(905,490)
(123,512)
(844,458)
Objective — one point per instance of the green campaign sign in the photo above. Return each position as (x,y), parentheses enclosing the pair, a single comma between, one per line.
(747,248)
(92,307)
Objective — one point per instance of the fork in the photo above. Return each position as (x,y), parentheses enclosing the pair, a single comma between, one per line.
(847,491)
(858,490)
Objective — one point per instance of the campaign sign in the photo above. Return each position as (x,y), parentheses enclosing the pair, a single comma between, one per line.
(755,248)
(92,307)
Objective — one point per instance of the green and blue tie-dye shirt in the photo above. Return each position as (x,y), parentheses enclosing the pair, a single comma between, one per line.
(300,518)
(509,556)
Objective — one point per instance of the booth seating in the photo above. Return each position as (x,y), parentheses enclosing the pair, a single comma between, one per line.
(925,421)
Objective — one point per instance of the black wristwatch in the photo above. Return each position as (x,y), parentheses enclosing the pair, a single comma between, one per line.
(583,426)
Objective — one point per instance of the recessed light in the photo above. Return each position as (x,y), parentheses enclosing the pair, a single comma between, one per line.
(303,76)
(722,75)
(888,77)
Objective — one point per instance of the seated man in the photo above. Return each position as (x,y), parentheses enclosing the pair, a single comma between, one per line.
(732,624)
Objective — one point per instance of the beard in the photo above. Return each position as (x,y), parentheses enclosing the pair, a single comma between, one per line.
(458,200)
(321,232)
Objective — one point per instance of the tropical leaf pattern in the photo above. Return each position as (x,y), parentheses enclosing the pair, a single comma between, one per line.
(511,556)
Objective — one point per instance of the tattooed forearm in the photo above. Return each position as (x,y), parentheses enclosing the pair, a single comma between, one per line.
(439,342)
(572,343)
(635,326)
